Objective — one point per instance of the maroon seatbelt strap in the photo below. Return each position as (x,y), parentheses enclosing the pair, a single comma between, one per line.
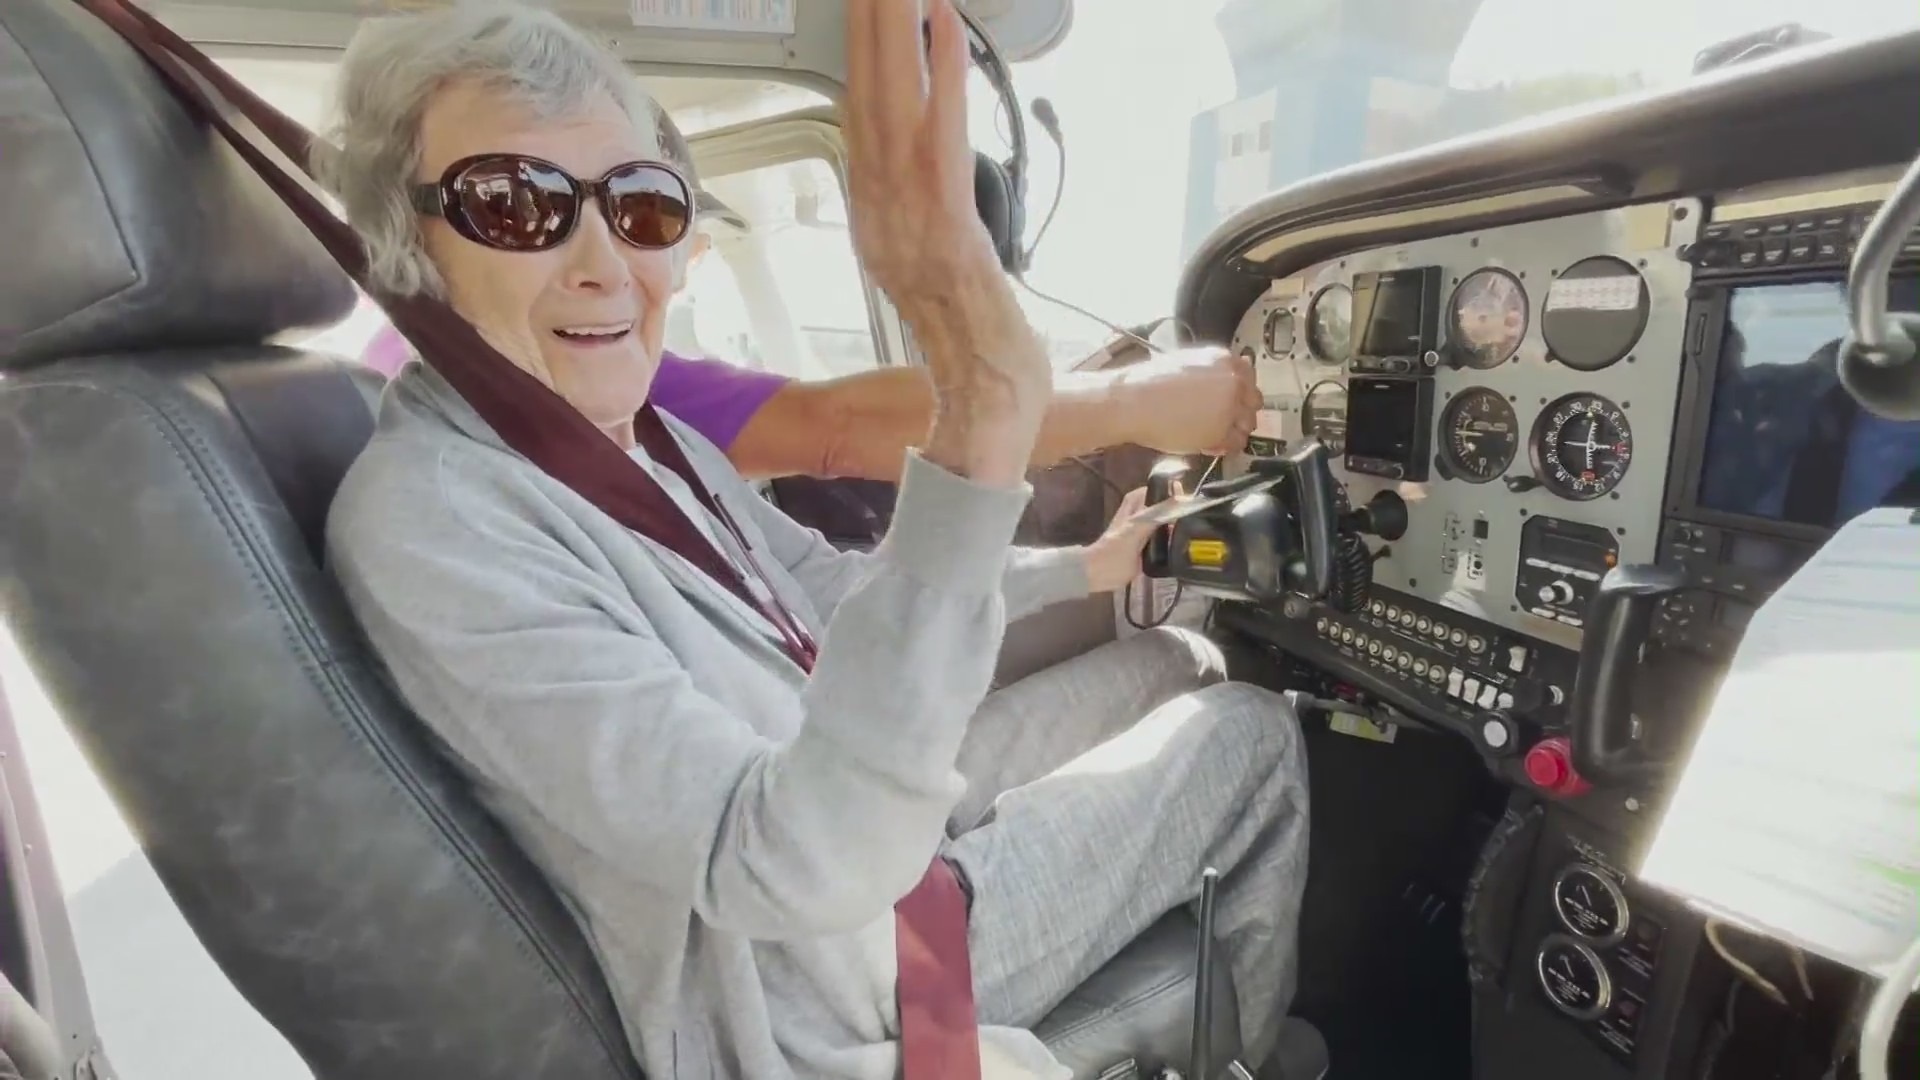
(661,446)
(939,1037)
(939,1032)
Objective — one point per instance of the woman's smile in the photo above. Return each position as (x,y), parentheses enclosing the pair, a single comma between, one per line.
(594,335)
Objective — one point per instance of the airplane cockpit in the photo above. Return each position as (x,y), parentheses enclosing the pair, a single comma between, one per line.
(1575,394)
(1578,337)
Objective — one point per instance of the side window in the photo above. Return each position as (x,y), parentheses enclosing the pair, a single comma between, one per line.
(1095,247)
(786,294)
(301,88)
(350,336)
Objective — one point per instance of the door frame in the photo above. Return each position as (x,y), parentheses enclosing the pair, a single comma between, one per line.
(37,950)
(812,133)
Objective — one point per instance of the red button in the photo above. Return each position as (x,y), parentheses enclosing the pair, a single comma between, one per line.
(1549,765)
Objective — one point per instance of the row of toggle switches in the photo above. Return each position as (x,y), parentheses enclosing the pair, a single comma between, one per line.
(1474,692)
(1421,624)
(1459,685)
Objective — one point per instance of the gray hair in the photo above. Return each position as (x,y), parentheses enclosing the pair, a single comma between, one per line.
(395,65)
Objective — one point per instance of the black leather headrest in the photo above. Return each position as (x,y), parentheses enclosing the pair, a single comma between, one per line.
(128,225)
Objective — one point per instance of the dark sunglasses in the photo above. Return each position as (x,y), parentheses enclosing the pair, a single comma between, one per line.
(512,202)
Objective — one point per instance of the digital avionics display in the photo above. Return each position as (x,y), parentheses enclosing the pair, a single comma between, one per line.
(1786,441)
(1387,426)
(1394,312)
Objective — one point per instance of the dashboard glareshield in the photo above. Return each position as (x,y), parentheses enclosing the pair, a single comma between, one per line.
(1462,545)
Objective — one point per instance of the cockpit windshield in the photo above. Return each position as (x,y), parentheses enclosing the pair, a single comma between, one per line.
(1177,115)
(1174,122)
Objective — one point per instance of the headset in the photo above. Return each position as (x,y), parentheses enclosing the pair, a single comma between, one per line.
(1000,187)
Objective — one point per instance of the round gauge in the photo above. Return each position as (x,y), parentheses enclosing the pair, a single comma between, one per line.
(1330,324)
(1279,332)
(1479,434)
(1573,978)
(1594,313)
(1590,904)
(1487,318)
(1581,446)
(1324,416)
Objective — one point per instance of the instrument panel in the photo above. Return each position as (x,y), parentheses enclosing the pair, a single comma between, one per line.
(1516,386)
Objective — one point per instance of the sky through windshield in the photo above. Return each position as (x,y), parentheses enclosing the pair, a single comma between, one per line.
(1173,121)
(1169,129)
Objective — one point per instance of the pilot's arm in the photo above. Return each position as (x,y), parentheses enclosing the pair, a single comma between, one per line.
(859,425)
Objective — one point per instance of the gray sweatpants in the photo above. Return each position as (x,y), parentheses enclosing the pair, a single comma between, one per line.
(1098,790)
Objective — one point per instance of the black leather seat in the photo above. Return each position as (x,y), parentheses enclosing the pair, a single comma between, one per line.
(164,477)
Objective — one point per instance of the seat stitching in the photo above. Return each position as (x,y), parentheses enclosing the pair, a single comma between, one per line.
(242,528)
(1079,1028)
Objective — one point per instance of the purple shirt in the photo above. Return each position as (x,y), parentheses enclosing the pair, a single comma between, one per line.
(712,397)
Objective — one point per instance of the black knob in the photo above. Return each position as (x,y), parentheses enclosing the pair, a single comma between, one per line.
(1520,483)
(1528,697)
(1709,253)
(1384,516)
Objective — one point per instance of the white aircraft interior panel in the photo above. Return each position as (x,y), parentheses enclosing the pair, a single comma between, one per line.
(1516,386)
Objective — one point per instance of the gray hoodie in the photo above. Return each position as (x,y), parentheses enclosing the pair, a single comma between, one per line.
(732,832)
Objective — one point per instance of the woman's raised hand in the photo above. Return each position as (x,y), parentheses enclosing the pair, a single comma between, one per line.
(910,169)
(915,226)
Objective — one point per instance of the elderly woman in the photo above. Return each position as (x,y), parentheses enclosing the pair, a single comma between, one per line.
(732,815)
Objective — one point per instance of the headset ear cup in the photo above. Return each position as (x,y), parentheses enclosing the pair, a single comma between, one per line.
(1015,260)
(999,208)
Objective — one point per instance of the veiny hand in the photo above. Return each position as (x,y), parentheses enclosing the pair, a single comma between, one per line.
(1200,400)
(1114,559)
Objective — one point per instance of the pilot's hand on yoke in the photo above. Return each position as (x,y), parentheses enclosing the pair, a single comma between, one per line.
(1201,399)
(1114,559)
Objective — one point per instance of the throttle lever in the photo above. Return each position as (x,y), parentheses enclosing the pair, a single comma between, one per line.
(1600,714)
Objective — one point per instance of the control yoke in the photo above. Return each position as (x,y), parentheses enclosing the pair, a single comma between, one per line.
(1311,481)
(1601,711)
(1255,537)
(1880,359)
